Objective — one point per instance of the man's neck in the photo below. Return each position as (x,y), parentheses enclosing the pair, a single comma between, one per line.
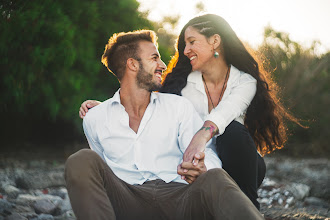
(135,100)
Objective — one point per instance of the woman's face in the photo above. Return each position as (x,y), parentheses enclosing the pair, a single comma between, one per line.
(197,49)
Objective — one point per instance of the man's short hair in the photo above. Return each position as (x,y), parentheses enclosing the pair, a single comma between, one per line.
(123,46)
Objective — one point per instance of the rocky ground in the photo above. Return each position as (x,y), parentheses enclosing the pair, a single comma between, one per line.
(292,189)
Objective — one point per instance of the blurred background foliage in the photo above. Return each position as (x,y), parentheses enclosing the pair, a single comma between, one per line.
(304,80)
(50,63)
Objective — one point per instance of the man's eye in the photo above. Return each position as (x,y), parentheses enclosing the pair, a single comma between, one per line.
(192,42)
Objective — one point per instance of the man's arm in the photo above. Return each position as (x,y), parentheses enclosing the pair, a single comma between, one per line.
(91,137)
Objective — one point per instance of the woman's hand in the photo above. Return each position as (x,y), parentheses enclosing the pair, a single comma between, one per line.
(190,172)
(87,105)
(199,141)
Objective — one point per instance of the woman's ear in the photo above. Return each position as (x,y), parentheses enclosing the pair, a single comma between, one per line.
(216,41)
(132,64)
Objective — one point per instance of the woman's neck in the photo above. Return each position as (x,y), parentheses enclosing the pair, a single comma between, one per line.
(215,73)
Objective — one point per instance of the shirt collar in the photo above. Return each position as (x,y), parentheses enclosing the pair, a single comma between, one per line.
(116,97)
(196,77)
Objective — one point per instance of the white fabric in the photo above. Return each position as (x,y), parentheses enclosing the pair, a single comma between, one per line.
(241,88)
(155,151)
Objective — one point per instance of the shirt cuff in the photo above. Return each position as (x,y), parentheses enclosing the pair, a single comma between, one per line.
(219,121)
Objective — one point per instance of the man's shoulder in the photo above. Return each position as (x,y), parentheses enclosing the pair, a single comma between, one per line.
(175,104)
(172,98)
(98,112)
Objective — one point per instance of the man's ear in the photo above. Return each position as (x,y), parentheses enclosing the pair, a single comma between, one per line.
(132,64)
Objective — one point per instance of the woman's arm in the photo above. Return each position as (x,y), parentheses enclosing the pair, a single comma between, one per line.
(87,105)
(235,104)
(198,142)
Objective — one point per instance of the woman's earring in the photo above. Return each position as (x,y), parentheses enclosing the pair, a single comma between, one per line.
(216,54)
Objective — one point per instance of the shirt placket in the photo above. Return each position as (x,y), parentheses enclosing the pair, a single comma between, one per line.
(138,148)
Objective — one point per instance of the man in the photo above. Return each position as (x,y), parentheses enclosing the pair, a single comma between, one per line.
(137,139)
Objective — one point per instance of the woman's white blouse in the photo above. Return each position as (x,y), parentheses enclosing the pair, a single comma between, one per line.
(241,88)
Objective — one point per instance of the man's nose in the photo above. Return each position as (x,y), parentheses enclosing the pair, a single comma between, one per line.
(162,64)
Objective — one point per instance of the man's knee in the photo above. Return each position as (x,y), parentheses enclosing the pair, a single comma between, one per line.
(81,157)
(217,178)
(80,163)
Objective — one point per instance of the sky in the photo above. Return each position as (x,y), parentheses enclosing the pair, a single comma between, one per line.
(304,20)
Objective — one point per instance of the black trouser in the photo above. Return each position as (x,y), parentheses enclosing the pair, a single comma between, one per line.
(241,160)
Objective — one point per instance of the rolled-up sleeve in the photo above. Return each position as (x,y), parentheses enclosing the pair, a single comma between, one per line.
(235,104)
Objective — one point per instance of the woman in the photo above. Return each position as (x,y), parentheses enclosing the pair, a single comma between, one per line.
(232,94)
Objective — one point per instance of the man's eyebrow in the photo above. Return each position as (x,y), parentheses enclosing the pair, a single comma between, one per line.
(155,54)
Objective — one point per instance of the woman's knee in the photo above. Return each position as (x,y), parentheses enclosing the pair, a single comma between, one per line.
(236,142)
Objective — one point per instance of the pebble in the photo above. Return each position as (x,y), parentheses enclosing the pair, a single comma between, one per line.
(44,206)
(10,191)
(16,216)
(24,198)
(313,201)
(5,206)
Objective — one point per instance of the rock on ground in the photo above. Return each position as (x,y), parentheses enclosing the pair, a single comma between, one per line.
(293,189)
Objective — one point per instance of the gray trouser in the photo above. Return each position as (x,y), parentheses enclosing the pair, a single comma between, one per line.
(97,193)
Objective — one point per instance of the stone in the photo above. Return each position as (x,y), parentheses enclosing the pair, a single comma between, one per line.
(26,199)
(40,180)
(11,191)
(68,215)
(44,206)
(5,206)
(30,199)
(25,210)
(61,192)
(313,201)
(16,216)
(65,205)
(43,217)
(298,190)
(54,199)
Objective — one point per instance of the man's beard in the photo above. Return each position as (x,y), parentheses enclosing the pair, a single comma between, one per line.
(145,80)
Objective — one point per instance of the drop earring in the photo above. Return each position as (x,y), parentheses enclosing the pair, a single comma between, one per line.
(216,54)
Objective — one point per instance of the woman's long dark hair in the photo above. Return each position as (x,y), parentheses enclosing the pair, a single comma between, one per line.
(264,116)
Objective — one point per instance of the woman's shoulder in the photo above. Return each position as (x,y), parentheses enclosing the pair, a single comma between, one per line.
(242,76)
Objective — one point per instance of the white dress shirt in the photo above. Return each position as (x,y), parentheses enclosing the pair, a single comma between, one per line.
(155,151)
(240,90)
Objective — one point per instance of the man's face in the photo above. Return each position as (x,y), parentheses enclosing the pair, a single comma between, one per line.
(151,67)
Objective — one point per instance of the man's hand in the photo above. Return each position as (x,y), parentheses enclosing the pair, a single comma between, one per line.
(191,172)
(87,105)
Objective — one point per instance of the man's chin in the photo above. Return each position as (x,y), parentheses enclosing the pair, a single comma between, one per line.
(155,88)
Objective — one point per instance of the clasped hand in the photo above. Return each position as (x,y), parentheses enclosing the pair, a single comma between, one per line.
(189,171)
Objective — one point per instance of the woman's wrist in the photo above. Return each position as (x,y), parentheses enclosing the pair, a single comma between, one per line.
(209,129)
